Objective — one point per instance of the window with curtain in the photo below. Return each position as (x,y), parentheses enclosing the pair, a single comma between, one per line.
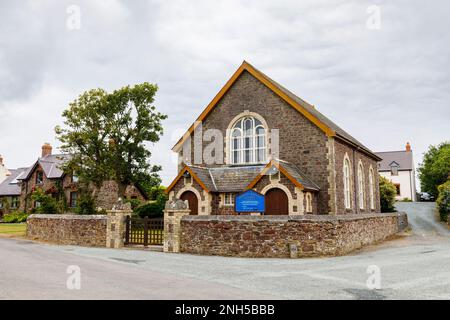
(248,141)
(347,198)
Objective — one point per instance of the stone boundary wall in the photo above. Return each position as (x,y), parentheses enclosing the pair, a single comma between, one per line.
(89,230)
(286,236)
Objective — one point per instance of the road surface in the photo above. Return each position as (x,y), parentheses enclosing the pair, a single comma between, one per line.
(414,266)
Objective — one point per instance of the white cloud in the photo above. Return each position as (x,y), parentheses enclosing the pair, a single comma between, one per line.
(384,86)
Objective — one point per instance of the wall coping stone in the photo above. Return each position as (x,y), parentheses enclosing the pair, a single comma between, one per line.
(287,218)
(68,217)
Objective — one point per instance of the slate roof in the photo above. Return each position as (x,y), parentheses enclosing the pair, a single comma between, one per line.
(51,164)
(295,172)
(10,186)
(237,178)
(312,109)
(403,158)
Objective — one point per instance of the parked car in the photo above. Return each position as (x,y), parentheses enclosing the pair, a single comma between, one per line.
(425,196)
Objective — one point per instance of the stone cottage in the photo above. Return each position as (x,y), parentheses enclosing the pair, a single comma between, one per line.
(276,144)
(10,191)
(46,173)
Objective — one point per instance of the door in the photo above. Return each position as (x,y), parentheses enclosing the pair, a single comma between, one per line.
(276,202)
(193,201)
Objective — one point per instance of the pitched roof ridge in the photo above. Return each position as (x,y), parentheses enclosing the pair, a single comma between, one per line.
(212,179)
(195,166)
(393,151)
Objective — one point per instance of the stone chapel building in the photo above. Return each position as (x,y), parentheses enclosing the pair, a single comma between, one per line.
(310,166)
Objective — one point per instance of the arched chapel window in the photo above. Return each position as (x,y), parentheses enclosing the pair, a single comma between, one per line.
(347,199)
(248,141)
(371,189)
(361,185)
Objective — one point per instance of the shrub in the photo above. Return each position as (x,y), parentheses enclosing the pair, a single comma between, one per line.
(135,203)
(15,217)
(48,205)
(85,204)
(443,200)
(152,209)
(387,195)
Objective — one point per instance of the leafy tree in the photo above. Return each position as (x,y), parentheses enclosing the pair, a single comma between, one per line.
(435,168)
(443,200)
(85,203)
(387,195)
(48,205)
(108,133)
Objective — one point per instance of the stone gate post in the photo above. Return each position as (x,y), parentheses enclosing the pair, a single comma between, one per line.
(115,229)
(174,211)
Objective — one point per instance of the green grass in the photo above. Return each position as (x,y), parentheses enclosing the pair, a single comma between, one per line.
(16,229)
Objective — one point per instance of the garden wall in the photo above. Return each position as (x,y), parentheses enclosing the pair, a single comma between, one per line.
(286,236)
(87,231)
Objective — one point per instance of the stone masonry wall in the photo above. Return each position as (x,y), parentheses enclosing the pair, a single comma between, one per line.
(278,236)
(301,142)
(355,156)
(87,231)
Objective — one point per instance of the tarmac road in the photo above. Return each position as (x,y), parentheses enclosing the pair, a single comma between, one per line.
(415,266)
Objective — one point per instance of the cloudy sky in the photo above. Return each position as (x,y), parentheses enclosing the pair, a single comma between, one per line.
(383,78)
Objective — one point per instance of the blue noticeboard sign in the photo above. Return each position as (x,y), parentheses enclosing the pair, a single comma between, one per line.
(249,201)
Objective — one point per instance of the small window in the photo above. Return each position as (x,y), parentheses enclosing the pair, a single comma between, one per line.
(229,199)
(37,204)
(73,199)
(14,202)
(74,177)
(394,169)
(371,189)
(39,177)
(361,186)
(397,186)
(347,194)
(309,208)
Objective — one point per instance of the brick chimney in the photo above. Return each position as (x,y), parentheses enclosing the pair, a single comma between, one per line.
(408,147)
(1,160)
(46,149)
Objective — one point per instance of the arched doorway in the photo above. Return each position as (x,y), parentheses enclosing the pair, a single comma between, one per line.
(193,201)
(277,202)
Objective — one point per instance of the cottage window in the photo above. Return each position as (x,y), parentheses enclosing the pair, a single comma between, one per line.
(347,199)
(371,189)
(73,199)
(229,199)
(361,185)
(14,202)
(74,177)
(248,141)
(39,177)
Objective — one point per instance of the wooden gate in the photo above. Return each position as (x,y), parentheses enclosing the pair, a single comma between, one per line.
(144,232)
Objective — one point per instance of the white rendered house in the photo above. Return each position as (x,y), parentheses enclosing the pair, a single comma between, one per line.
(3,171)
(398,167)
